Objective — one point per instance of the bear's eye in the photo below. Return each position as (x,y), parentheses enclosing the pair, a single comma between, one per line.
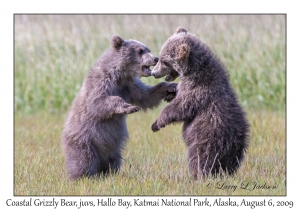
(141,51)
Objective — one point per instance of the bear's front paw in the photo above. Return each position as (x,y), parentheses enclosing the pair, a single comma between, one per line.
(132,109)
(169,97)
(172,87)
(155,127)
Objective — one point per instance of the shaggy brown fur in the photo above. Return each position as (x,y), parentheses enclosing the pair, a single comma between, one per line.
(95,129)
(215,128)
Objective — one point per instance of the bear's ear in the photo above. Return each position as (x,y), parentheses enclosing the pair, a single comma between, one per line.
(181,30)
(182,52)
(117,42)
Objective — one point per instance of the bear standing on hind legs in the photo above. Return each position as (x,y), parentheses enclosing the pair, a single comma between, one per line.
(95,128)
(215,128)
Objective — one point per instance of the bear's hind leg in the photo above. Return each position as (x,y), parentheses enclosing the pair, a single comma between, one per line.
(194,163)
(110,164)
(82,161)
(115,161)
(231,162)
(202,163)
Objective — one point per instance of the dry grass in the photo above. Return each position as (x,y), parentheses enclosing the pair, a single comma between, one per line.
(154,163)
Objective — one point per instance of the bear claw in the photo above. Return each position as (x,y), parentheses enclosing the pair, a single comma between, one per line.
(170,97)
(172,87)
(132,109)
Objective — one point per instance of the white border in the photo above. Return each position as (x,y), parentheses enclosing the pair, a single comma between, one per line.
(153,6)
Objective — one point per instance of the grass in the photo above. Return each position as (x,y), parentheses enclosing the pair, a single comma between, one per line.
(154,163)
(53,53)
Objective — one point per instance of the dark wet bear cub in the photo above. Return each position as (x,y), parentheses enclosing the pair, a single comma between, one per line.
(95,128)
(215,128)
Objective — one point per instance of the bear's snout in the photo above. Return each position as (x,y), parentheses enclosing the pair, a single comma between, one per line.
(155,59)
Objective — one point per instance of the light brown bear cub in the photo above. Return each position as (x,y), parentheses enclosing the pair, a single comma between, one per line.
(215,128)
(95,128)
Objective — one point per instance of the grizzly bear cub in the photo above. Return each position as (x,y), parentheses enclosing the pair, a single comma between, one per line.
(215,128)
(95,128)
